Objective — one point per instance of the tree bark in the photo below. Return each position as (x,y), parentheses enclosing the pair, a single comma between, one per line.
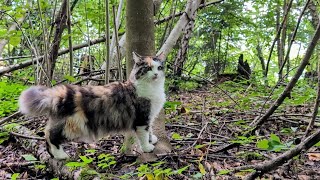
(262,61)
(314,14)
(140,38)
(60,22)
(191,7)
(140,30)
(182,53)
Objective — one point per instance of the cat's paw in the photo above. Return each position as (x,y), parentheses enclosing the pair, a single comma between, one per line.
(147,148)
(153,139)
(60,155)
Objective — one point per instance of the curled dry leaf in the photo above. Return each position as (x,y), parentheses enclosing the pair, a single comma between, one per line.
(314,156)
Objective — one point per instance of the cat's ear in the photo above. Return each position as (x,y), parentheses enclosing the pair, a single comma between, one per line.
(161,57)
(136,57)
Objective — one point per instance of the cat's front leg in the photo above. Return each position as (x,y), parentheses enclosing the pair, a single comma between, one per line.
(143,136)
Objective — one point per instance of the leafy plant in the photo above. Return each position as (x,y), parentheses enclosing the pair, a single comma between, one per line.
(176,136)
(106,160)
(9,93)
(15,176)
(4,136)
(84,162)
(172,105)
(273,144)
(244,140)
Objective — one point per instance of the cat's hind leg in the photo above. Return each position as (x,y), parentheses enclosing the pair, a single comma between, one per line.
(143,135)
(54,139)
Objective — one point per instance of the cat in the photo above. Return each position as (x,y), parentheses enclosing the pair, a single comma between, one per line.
(89,113)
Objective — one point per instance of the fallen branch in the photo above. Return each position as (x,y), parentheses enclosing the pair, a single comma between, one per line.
(6,119)
(39,150)
(27,137)
(263,168)
(40,59)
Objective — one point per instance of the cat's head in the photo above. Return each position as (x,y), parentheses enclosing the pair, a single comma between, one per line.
(148,68)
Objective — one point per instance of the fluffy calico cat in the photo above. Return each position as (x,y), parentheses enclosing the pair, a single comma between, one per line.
(91,112)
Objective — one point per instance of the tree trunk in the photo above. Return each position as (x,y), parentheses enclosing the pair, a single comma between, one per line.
(140,30)
(314,14)
(60,21)
(279,50)
(182,53)
(262,61)
(282,40)
(140,38)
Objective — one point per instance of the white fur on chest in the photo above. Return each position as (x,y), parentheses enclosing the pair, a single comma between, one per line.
(155,92)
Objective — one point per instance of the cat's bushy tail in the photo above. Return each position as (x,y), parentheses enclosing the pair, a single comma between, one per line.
(35,101)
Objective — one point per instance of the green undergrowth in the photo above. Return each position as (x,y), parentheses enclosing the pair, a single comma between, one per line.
(9,94)
(255,96)
(182,85)
(103,166)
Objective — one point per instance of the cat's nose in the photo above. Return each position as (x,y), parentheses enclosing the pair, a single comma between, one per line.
(155,74)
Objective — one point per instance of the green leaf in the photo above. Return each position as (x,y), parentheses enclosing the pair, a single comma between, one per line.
(224,171)
(29,157)
(201,168)
(4,136)
(263,144)
(275,138)
(197,176)
(75,164)
(200,146)
(179,171)
(158,163)
(176,136)
(14,40)
(70,78)
(85,159)
(248,170)
(15,176)
(90,150)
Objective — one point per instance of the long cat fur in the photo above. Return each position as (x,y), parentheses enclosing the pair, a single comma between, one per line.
(89,113)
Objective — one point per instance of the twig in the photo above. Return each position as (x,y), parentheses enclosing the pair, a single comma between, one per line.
(107,54)
(27,137)
(182,12)
(315,107)
(6,119)
(199,135)
(19,164)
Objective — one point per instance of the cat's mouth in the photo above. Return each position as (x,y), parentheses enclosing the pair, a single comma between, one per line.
(155,78)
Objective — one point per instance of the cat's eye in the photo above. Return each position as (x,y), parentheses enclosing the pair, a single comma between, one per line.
(149,68)
(160,68)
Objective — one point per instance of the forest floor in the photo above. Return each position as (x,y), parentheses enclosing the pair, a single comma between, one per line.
(200,123)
